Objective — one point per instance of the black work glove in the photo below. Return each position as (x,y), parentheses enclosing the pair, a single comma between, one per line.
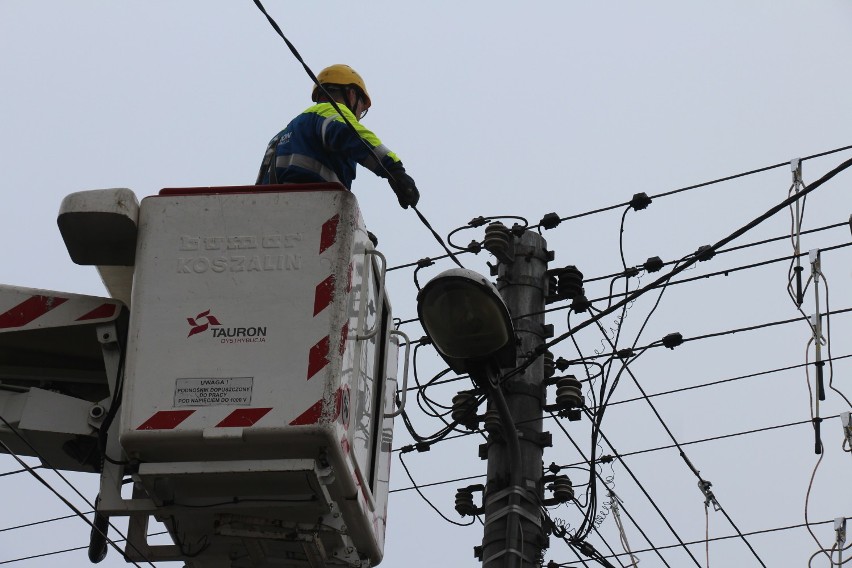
(404,187)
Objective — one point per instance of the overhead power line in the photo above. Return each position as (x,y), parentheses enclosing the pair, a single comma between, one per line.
(656,196)
(727,537)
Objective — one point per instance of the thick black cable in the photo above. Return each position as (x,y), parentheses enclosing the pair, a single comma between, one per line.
(333,103)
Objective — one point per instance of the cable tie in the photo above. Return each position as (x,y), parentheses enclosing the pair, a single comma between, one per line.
(424,262)
(550,221)
(653,264)
(672,340)
(705,253)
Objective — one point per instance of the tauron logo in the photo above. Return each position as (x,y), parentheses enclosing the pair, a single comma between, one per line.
(196,323)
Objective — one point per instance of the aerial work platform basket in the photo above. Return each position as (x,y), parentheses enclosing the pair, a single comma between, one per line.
(257,380)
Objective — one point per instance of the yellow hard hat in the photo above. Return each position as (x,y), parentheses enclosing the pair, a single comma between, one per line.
(340,74)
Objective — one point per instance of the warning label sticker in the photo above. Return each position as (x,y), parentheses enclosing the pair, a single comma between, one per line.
(228,391)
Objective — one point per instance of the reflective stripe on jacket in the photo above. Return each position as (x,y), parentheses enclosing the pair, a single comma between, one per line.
(319,146)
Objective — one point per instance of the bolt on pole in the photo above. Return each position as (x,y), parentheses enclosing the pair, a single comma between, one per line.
(513,534)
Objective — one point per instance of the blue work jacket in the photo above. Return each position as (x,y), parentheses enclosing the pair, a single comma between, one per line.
(318,146)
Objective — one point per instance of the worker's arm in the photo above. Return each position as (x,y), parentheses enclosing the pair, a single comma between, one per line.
(337,136)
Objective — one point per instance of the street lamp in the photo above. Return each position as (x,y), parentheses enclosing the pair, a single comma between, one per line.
(469,325)
(468,322)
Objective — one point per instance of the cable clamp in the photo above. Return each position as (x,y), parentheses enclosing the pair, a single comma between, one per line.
(813,258)
(796,168)
(840,530)
(846,421)
(709,498)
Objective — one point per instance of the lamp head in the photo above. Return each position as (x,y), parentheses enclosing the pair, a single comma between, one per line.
(466,319)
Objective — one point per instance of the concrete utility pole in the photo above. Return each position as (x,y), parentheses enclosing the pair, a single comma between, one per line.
(513,534)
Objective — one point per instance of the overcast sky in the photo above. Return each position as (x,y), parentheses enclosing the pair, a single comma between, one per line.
(495,108)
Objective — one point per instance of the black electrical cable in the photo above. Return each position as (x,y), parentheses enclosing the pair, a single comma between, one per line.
(45,521)
(419,492)
(47,463)
(68,503)
(718,538)
(600,478)
(623,273)
(643,451)
(665,393)
(722,272)
(313,77)
(659,343)
(55,552)
(17,471)
(687,263)
(642,489)
(626,203)
(699,185)
(671,435)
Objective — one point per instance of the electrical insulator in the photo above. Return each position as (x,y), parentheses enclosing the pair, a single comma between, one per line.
(569,393)
(562,489)
(464,502)
(549,364)
(492,424)
(464,410)
(498,241)
(570,283)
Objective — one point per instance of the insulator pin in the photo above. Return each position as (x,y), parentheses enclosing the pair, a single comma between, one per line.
(569,393)
(464,502)
(549,365)
(498,241)
(562,489)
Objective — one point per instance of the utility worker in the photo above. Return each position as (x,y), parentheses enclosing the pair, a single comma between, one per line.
(318,145)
